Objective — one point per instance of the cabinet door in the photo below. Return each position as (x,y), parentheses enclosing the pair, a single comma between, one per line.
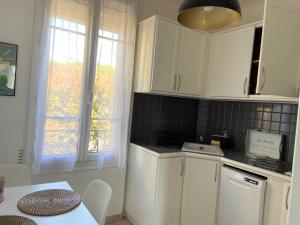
(200,187)
(169,190)
(230,63)
(276,202)
(279,67)
(141,186)
(286,205)
(165,56)
(190,62)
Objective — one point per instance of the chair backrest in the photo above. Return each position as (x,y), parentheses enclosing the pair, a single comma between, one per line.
(96,198)
(15,174)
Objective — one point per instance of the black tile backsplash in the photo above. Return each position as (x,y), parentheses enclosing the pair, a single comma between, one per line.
(162,120)
(237,117)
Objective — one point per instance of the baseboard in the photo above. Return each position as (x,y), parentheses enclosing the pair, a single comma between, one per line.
(114,219)
(130,219)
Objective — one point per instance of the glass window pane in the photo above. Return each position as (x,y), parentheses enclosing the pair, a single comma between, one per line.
(102,122)
(65,76)
(100,135)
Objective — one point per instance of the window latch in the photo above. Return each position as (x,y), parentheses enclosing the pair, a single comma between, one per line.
(91,97)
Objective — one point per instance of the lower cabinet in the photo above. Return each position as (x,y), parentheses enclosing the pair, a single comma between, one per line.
(168,191)
(153,189)
(184,190)
(276,202)
(200,191)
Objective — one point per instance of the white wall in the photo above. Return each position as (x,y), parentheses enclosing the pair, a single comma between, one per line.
(16,25)
(252,10)
(165,8)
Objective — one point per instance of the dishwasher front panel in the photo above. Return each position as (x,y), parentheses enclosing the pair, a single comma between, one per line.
(241,198)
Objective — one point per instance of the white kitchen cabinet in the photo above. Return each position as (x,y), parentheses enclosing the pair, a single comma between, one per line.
(169,58)
(286,201)
(184,189)
(200,191)
(280,53)
(276,202)
(153,189)
(169,191)
(279,59)
(141,186)
(230,63)
(165,56)
(190,71)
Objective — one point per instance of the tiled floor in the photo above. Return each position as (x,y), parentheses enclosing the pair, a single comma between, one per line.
(123,222)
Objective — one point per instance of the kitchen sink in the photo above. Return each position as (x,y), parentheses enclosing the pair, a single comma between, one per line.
(202,149)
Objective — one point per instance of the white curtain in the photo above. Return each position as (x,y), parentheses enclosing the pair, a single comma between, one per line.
(61,70)
(117,22)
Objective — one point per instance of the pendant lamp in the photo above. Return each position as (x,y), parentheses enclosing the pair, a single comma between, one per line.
(209,14)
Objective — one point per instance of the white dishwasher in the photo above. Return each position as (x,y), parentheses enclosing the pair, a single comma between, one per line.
(241,198)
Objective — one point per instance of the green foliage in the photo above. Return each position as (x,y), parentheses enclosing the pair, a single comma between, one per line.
(65,87)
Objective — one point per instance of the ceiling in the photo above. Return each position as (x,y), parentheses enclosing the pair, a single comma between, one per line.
(241,1)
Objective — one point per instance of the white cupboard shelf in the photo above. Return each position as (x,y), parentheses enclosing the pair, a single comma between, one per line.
(169,58)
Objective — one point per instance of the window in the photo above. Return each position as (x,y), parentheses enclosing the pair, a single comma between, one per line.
(83,97)
(68,36)
(102,123)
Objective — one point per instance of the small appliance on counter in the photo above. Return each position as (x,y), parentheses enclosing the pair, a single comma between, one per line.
(224,141)
(202,149)
(264,145)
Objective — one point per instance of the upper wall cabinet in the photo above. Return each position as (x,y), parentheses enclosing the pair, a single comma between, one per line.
(169,58)
(230,63)
(254,60)
(280,53)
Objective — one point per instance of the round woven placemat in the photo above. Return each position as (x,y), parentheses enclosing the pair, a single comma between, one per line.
(16,220)
(49,202)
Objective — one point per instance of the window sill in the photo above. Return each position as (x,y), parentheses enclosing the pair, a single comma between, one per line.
(91,164)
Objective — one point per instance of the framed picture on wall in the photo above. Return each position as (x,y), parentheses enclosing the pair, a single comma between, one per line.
(8,68)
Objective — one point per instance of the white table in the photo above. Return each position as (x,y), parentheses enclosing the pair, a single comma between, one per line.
(77,216)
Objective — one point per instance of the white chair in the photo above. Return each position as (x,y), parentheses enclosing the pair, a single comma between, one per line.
(96,198)
(15,174)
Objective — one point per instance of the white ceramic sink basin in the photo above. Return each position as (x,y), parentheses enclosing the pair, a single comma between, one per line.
(203,149)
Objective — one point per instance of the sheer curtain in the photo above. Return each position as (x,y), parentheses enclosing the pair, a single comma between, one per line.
(62,72)
(116,41)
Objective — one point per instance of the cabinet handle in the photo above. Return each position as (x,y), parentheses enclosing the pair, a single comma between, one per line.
(264,78)
(179,82)
(216,173)
(245,83)
(182,168)
(174,82)
(287,198)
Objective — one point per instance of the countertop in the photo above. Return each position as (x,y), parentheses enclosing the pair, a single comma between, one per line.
(241,157)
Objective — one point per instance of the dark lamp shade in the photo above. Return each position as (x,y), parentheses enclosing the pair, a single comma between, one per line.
(209,14)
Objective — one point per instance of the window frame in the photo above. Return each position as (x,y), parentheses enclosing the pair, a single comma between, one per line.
(85,160)
(89,83)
